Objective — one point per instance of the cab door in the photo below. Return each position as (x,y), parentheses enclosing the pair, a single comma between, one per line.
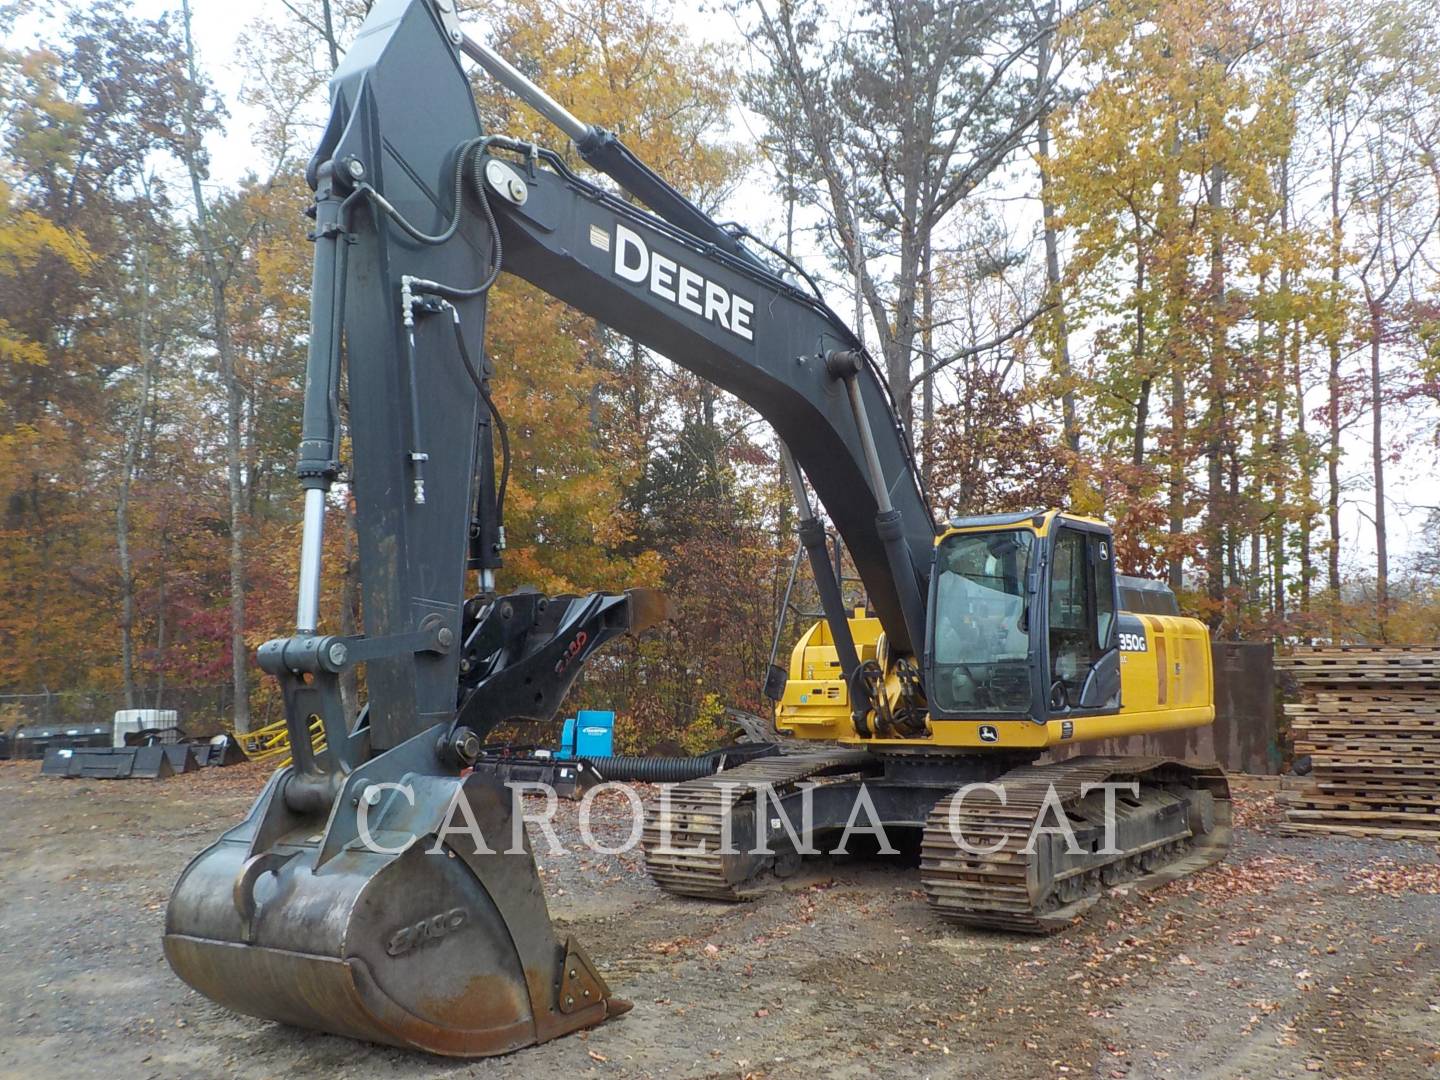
(1082,655)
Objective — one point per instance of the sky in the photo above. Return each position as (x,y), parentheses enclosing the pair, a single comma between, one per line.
(218,24)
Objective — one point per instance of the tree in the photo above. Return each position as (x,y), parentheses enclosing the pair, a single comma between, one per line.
(1163,172)
(894,119)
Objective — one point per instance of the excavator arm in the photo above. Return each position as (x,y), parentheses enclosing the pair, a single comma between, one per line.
(344,901)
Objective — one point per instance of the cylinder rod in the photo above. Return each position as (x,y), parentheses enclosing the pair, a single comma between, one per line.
(797,484)
(867,444)
(307,607)
(891,529)
(827,584)
(514,80)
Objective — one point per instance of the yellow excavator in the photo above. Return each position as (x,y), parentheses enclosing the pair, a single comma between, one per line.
(1033,641)
(354,897)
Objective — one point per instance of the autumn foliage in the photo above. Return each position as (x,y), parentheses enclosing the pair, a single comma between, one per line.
(1236,340)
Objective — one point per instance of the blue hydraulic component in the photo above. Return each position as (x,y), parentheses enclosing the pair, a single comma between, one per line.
(594,733)
(588,734)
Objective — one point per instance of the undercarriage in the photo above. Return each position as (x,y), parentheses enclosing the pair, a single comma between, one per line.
(1004,844)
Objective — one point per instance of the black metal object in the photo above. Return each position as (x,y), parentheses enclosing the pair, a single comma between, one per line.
(588,247)
(675,770)
(219,752)
(154,762)
(34,741)
(827,583)
(511,766)
(522,652)
(1146,596)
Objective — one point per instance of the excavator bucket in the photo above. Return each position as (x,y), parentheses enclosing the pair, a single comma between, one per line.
(401,920)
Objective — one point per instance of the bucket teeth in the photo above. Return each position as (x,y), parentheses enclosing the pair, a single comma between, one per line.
(441,947)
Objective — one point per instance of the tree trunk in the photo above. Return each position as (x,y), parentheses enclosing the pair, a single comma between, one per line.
(328,18)
(1332,466)
(229,379)
(1332,451)
(1215,510)
(1175,291)
(1377,452)
(161,632)
(1279,602)
(1304,472)
(927,388)
(133,438)
(1070,426)
(1142,402)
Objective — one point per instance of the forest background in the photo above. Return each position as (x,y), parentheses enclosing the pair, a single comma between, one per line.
(1176,264)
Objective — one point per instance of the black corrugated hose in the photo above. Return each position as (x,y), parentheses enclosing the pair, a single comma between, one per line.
(672,770)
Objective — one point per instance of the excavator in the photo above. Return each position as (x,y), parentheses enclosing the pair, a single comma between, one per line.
(345,901)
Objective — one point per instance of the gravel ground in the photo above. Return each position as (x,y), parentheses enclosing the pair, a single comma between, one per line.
(1295,958)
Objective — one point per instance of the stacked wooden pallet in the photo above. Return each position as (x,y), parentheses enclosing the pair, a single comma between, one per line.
(1370,724)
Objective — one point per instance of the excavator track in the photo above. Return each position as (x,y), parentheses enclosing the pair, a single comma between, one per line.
(682,835)
(1180,824)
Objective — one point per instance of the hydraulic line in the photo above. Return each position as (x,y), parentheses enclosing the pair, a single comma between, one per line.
(479,381)
(473,149)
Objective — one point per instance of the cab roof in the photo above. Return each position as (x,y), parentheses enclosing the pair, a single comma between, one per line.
(1039,519)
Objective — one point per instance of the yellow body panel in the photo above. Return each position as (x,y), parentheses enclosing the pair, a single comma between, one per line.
(1168,686)
(816,704)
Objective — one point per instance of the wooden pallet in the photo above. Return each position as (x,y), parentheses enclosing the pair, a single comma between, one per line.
(1408,802)
(1370,725)
(1426,710)
(1360,656)
(1369,832)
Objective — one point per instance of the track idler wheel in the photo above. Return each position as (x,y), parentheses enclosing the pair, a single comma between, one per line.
(427,946)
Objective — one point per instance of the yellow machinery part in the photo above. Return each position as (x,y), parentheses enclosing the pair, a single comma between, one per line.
(271,743)
(1167,687)
(816,702)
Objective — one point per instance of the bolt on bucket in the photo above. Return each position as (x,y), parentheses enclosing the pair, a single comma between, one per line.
(435,946)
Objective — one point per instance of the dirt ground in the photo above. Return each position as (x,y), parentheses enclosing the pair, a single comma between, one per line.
(1295,958)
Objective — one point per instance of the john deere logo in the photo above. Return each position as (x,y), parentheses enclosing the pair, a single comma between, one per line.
(988,734)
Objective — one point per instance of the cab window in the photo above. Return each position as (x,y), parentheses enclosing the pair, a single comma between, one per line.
(1104,564)
(1081,609)
(980,629)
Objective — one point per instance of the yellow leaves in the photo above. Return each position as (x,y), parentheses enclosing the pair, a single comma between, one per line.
(14,349)
(627,68)
(25,237)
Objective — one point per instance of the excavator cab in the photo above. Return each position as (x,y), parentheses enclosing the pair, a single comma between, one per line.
(1023,618)
(980,622)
